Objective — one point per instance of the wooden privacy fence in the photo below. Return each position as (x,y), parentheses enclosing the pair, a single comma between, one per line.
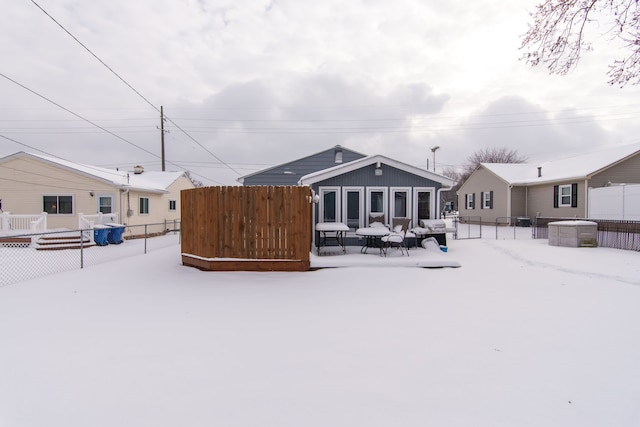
(246,228)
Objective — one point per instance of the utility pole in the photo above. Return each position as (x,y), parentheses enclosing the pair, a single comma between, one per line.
(162,137)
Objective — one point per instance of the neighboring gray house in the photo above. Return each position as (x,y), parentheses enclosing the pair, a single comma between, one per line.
(377,185)
(559,188)
(289,173)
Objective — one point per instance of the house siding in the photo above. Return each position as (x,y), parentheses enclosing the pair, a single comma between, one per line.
(541,201)
(25,180)
(158,205)
(289,173)
(365,178)
(391,177)
(484,181)
(519,202)
(626,172)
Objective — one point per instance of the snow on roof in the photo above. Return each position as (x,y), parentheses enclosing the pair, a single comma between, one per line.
(359,163)
(148,181)
(336,147)
(579,166)
(153,180)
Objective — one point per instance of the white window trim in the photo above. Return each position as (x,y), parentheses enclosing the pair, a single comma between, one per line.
(392,200)
(432,203)
(148,205)
(99,196)
(359,190)
(73,202)
(385,199)
(468,200)
(321,192)
(560,204)
(486,200)
(175,203)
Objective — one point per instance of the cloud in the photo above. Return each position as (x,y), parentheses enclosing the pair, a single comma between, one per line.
(299,115)
(513,122)
(261,82)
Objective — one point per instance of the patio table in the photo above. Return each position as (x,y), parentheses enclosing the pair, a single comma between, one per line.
(373,236)
(331,231)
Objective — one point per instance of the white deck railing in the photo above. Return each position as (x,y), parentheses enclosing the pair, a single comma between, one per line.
(99,218)
(86,222)
(22,224)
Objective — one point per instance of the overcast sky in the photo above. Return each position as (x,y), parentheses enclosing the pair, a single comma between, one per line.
(249,84)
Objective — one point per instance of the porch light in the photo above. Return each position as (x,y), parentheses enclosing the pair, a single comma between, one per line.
(378,171)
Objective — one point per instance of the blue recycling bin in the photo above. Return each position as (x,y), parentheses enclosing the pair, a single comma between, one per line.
(100,235)
(115,233)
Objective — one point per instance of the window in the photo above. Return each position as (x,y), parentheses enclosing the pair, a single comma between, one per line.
(470,200)
(105,204)
(329,204)
(565,195)
(144,206)
(423,198)
(172,205)
(57,205)
(353,205)
(376,200)
(400,202)
(487,200)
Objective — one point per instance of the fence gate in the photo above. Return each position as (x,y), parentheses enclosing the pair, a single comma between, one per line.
(254,228)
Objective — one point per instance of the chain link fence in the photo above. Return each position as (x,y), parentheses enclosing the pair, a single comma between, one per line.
(29,256)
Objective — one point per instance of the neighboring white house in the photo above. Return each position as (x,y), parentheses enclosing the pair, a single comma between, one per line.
(33,183)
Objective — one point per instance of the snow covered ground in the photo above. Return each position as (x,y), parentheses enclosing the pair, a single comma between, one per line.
(523,334)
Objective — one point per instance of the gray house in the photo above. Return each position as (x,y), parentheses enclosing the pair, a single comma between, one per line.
(289,173)
(558,188)
(376,185)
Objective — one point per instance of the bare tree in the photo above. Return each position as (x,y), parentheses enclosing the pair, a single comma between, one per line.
(490,155)
(556,37)
(196,183)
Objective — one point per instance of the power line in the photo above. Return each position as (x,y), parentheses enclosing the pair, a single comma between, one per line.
(201,146)
(77,115)
(131,87)
(96,56)
(97,168)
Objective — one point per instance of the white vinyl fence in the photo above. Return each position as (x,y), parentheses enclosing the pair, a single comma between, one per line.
(618,202)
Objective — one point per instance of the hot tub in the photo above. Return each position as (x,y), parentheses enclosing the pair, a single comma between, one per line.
(573,234)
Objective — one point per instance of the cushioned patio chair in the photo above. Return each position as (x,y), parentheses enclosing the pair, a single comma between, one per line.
(376,218)
(397,236)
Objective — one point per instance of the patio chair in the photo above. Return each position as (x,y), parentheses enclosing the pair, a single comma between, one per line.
(376,218)
(397,236)
(409,235)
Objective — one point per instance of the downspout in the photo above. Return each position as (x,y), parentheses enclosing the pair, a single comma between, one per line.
(123,191)
(509,188)
(586,198)
(438,199)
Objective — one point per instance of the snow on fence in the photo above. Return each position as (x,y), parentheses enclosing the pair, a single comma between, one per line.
(20,224)
(611,233)
(86,222)
(20,261)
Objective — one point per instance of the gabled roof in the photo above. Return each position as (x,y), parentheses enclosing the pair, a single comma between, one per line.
(152,181)
(284,165)
(370,160)
(578,167)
